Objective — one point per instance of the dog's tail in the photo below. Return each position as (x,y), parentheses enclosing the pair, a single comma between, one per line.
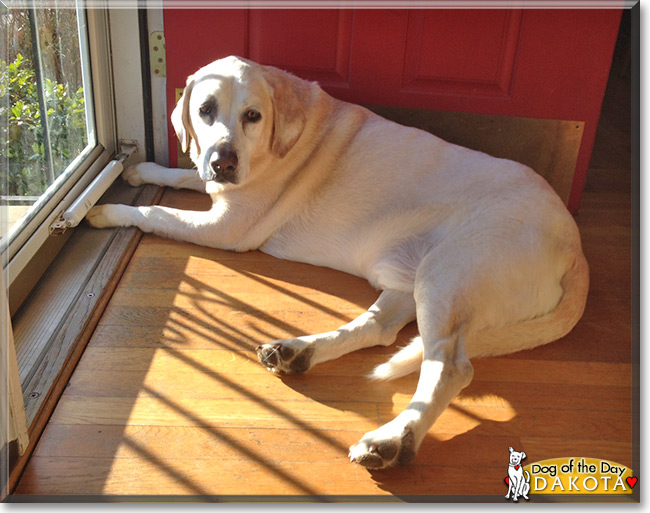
(545,328)
(405,361)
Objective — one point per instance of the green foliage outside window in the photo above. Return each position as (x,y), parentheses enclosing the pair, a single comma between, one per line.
(23,164)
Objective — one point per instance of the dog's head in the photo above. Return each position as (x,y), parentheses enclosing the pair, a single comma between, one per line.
(516,457)
(234,112)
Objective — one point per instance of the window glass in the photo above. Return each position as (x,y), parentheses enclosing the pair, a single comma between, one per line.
(46,112)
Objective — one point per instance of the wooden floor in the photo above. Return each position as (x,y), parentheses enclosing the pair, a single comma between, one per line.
(168,398)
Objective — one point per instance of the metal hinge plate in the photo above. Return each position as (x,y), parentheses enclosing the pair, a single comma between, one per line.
(157,54)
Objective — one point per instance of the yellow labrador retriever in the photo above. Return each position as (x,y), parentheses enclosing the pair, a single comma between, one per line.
(480,250)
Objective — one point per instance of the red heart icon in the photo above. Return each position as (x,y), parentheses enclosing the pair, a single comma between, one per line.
(631,481)
(508,481)
(517,467)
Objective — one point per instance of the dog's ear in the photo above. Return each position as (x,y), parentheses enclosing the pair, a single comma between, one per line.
(523,455)
(181,120)
(291,97)
(510,449)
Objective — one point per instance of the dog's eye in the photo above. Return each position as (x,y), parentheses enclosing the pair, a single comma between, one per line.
(205,109)
(253,116)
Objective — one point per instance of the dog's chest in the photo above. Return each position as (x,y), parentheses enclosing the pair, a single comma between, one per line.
(324,244)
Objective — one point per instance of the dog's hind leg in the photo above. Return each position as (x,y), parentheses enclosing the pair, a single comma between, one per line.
(525,485)
(378,326)
(445,371)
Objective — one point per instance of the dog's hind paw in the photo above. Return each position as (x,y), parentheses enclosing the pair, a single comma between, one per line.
(376,452)
(283,357)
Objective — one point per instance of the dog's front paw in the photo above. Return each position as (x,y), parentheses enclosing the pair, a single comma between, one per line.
(133,176)
(376,450)
(286,356)
(107,216)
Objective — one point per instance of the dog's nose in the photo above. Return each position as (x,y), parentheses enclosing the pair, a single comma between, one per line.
(224,161)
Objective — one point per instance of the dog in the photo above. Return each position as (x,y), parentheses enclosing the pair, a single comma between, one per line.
(517,484)
(480,251)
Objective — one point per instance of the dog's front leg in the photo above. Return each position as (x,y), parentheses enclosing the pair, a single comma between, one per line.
(518,488)
(378,326)
(509,487)
(149,172)
(514,486)
(205,228)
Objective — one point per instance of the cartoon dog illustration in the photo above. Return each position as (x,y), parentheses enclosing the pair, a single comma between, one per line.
(516,482)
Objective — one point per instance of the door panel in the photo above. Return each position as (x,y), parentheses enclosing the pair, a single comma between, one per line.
(315,45)
(474,54)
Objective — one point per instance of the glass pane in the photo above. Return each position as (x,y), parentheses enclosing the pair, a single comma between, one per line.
(46,117)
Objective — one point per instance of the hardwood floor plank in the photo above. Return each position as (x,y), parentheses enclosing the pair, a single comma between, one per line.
(539,422)
(159,410)
(323,388)
(552,371)
(270,273)
(168,442)
(148,476)
(187,336)
(165,360)
(187,297)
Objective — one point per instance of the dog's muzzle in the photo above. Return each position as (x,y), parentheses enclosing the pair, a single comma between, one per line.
(222,166)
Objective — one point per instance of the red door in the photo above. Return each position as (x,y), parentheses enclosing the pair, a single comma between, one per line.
(550,64)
